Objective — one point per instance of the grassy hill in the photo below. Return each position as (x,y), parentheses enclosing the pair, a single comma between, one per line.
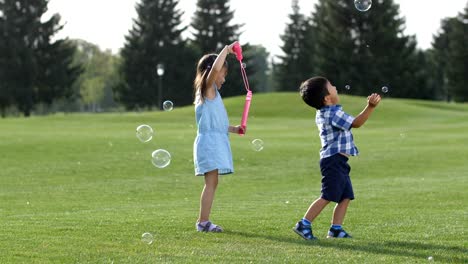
(80,188)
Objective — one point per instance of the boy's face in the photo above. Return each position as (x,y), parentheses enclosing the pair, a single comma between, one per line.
(332,97)
(221,77)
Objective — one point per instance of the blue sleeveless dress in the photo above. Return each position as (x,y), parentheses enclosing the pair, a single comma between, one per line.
(211,149)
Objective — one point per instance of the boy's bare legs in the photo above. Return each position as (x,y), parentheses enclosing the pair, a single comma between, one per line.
(304,227)
(336,231)
(340,211)
(207,195)
(315,208)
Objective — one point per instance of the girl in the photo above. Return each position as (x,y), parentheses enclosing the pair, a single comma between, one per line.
(211,149)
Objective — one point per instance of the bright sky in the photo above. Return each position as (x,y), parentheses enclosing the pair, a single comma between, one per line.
(106,22)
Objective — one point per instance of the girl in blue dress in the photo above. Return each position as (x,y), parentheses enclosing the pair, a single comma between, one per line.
(211,149)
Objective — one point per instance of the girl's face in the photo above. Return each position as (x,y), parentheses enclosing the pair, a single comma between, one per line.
(221,78)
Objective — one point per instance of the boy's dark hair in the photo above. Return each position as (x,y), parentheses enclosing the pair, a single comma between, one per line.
(313,91)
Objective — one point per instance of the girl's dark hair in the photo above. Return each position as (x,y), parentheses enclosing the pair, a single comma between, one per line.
(313,91)
(203,69)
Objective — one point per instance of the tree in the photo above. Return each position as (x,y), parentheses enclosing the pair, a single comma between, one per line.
(5,94)
(155,38)
(212,25)
(213,28)
(424,77)
(298,47)
(457,72)
(259,61)
(99,76)
(33,68)
(334,45)
(451,56)
(366,50)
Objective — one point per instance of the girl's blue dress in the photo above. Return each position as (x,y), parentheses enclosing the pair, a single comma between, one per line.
(211,149)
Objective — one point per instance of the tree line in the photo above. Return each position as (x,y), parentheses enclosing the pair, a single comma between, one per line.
(361,50)
(369,50)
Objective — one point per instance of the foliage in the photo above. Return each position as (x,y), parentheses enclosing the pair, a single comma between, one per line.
(259,61)
(99,76)
(451,56)
(33,67)
(297,63)
(366,50)
(379,53)
(213,29)
(155,38)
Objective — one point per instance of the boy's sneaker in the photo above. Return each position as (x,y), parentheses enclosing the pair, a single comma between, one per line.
(208,227)
(305,231)
(337,233)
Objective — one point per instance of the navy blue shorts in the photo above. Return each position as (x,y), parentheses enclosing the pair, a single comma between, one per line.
(336,184)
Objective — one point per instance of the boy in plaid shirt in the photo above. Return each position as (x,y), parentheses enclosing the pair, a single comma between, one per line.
(337,145)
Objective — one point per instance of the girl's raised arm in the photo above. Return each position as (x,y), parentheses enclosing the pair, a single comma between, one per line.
(218,64)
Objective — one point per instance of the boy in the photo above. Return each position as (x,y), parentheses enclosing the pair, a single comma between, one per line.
(337,145)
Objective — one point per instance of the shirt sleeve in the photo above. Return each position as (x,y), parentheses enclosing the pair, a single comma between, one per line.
(342,120)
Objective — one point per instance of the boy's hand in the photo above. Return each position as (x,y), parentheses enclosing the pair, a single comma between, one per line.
(373,100)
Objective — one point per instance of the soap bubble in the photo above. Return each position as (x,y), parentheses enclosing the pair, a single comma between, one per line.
(168,106)
(161,158)
(144,133)
(147,238)
(257,144)
(363,5)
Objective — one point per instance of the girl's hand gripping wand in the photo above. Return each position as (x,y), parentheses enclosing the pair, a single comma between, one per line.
(236,48)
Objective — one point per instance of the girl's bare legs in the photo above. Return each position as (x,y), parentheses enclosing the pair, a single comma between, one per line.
(207,195)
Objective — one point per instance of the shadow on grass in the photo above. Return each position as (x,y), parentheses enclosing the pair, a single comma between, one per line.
(392,248)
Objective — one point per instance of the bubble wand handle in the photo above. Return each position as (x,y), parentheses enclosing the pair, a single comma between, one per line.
(236,48)
(245,114)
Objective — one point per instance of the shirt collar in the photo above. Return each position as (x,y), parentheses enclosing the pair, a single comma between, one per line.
(330,107)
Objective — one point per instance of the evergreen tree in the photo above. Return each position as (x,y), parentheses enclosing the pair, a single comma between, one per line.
(435,75)
(5,93)
(33,68)
(440,46)
(457,72)
(155,39)
(423,77)
(212,29)
(451,56)
(333,43)
(259,61)
(367,50)
(212,25)
(298,47)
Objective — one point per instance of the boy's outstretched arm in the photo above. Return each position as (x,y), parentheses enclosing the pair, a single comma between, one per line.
(372,102)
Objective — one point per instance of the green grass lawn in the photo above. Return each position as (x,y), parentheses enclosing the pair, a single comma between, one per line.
(80,188)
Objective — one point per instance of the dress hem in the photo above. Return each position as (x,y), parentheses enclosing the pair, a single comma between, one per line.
(220,172)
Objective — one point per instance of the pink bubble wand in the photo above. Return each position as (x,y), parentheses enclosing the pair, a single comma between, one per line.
(248,98)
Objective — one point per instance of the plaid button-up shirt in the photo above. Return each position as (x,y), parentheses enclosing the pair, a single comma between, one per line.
(334,126)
